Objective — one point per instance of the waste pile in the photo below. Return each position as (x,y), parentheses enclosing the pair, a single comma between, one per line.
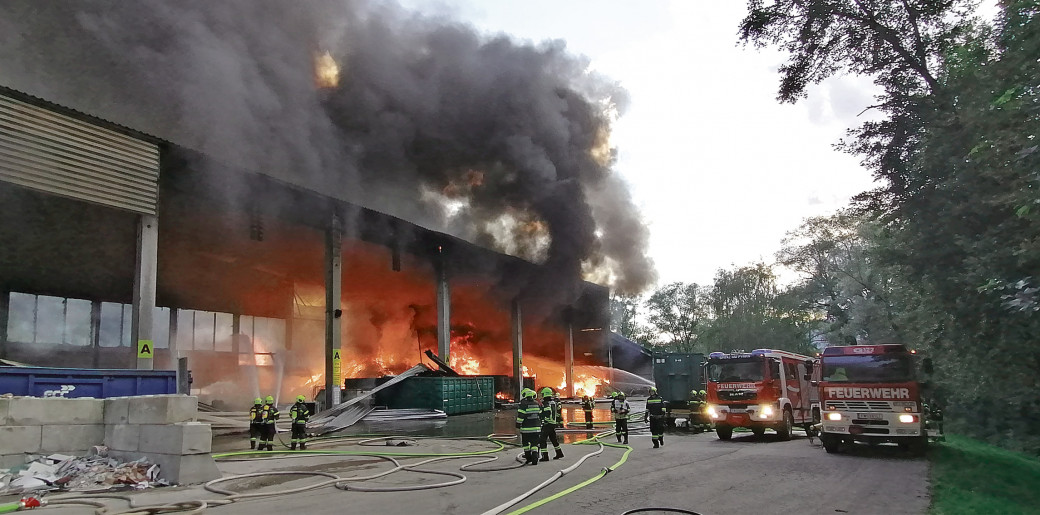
(97,472)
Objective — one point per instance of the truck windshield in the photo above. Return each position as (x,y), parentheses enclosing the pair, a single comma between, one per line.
(732,370)
(880,368)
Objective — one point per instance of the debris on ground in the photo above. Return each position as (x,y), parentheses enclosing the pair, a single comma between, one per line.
(79,474)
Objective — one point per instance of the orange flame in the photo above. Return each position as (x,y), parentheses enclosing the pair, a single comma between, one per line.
(326,71)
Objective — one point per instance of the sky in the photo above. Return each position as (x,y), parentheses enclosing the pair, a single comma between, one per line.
(720,169)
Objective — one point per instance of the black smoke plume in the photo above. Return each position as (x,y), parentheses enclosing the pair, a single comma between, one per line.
(499,142)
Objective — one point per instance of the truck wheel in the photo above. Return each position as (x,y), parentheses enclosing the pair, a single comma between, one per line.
(787,428)
(725,432)
(831,444)
(758,430)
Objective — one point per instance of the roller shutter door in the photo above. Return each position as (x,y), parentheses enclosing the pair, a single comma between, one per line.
(59,154)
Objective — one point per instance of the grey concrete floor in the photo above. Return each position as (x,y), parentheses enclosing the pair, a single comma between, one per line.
(697,472)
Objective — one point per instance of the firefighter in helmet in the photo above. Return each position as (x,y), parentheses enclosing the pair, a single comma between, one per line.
(550,410)
(587,405)
(621,409)
(529,423)
(655,415)
(268,414)
(299,413)
(256,426)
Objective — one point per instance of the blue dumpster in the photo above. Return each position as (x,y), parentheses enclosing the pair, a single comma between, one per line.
(85,382)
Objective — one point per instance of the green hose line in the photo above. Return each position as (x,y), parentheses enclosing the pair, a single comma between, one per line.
(10,507)
(583,484)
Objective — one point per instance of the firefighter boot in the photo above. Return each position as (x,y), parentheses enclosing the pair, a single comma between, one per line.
(545,456)
(252,444)
(655,443)
(534,457)
(559,454)
(618,437)
(292,446)
(303,446)
(626,440)
(661,439)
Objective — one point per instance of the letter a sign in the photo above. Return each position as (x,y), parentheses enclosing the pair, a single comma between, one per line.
(145,349)
(337,367)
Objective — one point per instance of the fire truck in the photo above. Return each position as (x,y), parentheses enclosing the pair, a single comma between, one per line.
(763,389)
(870,393)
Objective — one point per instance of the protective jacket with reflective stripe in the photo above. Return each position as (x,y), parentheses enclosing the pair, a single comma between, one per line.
(527,416)
(549,412)
(655,405)
(299,413)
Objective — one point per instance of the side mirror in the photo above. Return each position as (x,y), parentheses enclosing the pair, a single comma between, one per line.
(809,365)
(814,383)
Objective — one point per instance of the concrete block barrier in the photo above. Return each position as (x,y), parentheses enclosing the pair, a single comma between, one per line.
(36,411)
(73,439)
(20,439)
(163,409)
(123,437)
(117,410)
(183,438)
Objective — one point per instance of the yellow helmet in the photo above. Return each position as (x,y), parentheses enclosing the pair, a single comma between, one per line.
(258,400)
(300,398)
(270,399)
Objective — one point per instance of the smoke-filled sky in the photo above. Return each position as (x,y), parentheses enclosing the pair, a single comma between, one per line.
(719,169)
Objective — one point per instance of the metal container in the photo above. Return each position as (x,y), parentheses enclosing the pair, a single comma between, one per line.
(82,382)
(452,395)
(676,374)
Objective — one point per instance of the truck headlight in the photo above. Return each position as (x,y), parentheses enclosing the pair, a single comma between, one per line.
(712,412)
(834,416)
(765,411)
(908,419)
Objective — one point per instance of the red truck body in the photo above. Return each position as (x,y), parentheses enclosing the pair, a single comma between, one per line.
(870,393)
(763,389)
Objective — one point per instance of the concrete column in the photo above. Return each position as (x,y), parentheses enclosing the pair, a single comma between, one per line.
(333,310)
(443,308)
(143,309)
(5,314)
(568,357)
(517,332)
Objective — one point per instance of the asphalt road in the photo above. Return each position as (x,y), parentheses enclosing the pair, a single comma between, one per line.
(696,472)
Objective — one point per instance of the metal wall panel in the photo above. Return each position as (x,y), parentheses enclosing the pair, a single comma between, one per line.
(59,154)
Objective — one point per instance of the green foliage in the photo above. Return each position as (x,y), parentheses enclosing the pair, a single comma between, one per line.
(970,477)
(944,256)
(677,312)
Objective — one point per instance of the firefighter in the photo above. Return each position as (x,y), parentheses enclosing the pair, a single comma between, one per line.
(299,413)
(696,409)
(256,427)
(587,405)
(702,410)
(268,414)
(529,423)
(621,408)
(550,410)
(655,416)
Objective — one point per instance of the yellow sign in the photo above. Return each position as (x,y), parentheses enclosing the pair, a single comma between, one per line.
(145,349)
(337,367)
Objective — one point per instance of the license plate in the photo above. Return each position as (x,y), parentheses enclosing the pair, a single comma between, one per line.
(870,416)
(737,410)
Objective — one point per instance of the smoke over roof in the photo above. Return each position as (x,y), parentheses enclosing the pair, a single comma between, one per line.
(501,143)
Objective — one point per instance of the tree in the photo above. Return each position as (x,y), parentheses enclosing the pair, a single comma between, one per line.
(676,313)
(749,311)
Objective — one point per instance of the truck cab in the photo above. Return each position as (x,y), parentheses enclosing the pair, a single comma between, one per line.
(763,389)
(870,393)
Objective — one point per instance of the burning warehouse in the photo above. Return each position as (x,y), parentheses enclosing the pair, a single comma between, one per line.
(360,182)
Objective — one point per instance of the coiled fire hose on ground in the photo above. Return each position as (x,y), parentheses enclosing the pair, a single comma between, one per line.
(346,483)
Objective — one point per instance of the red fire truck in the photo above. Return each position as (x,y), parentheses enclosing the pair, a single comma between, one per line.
(763,389)
(870,394)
